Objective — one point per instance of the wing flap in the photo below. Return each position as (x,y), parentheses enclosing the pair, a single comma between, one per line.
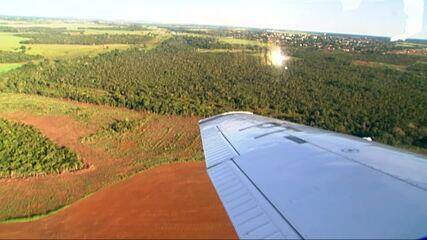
(251,214)
(217,149)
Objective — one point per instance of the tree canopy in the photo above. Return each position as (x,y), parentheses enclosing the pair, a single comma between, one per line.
(319,88)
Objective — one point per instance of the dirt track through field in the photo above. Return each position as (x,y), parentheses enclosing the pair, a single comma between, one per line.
(171,201)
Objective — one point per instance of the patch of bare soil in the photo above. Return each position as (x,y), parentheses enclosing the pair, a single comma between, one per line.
(171,201)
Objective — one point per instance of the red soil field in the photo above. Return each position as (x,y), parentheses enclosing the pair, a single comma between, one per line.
(171,201)
(111,158)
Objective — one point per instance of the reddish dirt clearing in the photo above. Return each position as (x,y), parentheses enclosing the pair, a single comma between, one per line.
(171,201)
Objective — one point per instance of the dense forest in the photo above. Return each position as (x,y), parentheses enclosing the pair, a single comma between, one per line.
(24,151)
(84,39)
(319,88)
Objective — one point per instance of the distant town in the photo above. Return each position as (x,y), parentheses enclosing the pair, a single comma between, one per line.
(328,41)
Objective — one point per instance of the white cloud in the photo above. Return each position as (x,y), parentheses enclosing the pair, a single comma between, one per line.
(414,9)
(351,4)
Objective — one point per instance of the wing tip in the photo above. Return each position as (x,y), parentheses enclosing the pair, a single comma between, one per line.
(224,114)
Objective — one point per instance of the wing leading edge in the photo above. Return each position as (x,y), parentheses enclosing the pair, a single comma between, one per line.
(278,179)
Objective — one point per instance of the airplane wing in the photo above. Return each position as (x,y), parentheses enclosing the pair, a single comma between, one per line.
(278,179)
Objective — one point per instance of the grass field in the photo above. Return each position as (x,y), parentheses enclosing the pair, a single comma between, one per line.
(6,67)
(60,51)
(115,143)
(9,42)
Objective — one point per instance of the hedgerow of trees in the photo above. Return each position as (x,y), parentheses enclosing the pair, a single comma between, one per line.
(113,27)
(84,39)
(32,29)
(319,88)
(15,57)
(25,152)
(214,43)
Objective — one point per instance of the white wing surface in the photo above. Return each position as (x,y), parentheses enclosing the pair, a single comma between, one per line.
(278,179)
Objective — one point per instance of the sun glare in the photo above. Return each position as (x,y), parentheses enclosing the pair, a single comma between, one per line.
(277,57)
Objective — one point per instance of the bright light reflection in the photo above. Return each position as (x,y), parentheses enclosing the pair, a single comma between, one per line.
(277,57)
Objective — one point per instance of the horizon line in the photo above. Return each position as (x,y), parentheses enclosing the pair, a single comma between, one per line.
(148,22)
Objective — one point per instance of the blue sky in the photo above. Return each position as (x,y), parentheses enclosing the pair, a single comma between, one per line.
(373,17)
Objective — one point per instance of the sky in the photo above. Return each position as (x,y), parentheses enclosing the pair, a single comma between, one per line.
(371,17)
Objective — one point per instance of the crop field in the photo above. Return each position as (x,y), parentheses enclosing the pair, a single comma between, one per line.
(114,143)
